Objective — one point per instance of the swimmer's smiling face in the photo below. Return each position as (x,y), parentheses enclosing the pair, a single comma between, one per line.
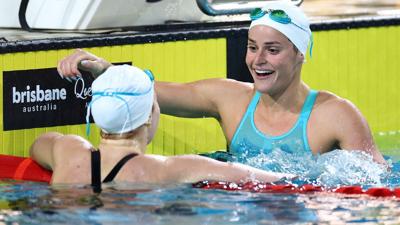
(272,59)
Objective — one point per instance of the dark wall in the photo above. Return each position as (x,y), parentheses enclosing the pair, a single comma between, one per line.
(236,54)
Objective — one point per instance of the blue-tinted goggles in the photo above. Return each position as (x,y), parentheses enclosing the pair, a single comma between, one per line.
(117,95)
(276,15)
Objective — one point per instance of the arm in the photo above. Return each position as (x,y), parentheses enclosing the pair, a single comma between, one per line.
(203,98)
(351,129)
(193,168)
(66,155)
(195,99)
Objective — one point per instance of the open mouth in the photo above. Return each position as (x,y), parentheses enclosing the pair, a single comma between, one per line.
(264,73)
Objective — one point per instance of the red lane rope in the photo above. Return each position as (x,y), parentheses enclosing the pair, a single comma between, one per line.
(22,168)
(292,189)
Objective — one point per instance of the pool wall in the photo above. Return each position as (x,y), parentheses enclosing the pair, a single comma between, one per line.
(355,59)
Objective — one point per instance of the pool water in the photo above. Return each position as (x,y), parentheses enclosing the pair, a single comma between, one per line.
(127,203)
(33,203)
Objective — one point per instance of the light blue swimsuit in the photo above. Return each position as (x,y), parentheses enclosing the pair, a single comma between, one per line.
(248,141)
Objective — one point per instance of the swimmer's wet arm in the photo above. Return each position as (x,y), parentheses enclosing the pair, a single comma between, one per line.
(352,131)
(194,168)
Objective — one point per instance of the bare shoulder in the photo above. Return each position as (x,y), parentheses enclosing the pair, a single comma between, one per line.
(329,104)
(230,101)
(71,148)
(338,120)
(72,142)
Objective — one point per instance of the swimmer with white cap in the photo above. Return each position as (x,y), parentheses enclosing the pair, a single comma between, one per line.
(277,110)
(124,107)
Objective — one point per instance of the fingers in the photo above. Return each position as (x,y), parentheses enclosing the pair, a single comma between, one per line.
(68,67)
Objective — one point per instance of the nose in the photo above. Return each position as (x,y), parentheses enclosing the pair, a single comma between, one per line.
(260,57)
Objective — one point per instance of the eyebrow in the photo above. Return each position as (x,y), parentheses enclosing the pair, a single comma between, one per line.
(265,43)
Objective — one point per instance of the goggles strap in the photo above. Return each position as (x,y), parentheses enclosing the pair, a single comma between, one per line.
(149,74)
(87,118)
(112,95)
(104,94)
(127,108)
(311,44)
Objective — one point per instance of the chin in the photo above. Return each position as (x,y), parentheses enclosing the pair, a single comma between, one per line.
(263,87)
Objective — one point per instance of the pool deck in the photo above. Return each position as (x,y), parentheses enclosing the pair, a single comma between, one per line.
(318,11)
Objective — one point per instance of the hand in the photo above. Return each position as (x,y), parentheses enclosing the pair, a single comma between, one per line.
(80,59)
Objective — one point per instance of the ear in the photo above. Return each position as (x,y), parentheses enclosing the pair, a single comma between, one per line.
(301,57)
(154,118)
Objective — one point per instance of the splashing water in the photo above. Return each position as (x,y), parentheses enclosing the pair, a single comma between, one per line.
(348,168)
(338,167)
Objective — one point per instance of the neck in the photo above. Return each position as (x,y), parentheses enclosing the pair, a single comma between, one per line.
(123,145)
(292,98)
(131,142)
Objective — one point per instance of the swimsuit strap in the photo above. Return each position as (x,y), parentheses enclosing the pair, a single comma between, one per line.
(96,170)
(110,177)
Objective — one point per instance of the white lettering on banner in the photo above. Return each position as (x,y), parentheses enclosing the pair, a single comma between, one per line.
(80,90)
(37,95)
(40,108)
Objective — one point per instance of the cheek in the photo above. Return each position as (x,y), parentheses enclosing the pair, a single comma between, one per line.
(249,58)
(283,61)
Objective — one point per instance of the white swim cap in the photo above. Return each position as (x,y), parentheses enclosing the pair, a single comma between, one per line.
(122,99)
(297,29)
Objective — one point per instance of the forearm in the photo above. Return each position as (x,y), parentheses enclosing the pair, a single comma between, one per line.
(237,172)
(195,168)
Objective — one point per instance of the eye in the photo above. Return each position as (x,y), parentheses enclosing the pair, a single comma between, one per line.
(273,50)
(251,48)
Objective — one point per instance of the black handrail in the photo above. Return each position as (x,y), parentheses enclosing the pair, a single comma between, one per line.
(232,8)
(22,15)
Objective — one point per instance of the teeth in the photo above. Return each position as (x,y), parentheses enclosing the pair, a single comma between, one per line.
(264,71)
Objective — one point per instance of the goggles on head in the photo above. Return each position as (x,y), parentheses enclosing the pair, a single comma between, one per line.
(277,15)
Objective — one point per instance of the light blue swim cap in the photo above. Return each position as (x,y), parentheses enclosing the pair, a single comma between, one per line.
(122,99)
